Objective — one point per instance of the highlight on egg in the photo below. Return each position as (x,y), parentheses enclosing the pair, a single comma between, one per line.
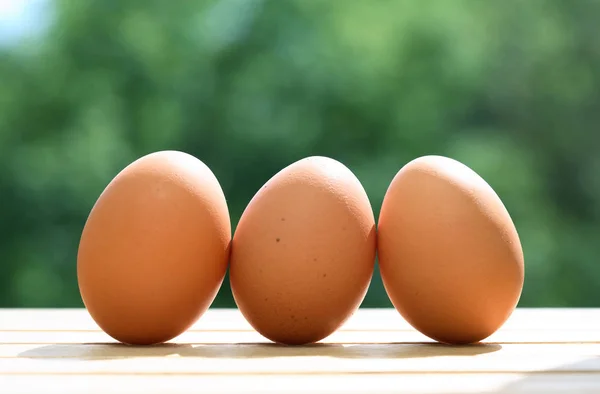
(449,253)
(154,249)
(303,252)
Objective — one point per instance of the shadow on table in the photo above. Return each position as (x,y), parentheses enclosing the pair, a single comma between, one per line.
(95,351)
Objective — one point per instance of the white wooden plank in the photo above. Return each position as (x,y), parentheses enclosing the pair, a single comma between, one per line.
(261,350)
(353,384)
(364,319)
(333,359)
(540,351)
(198,337)
(337,384)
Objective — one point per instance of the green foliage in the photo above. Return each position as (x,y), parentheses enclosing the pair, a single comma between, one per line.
(248,86)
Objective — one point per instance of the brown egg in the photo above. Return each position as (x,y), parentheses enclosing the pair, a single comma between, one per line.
(303,252)
(154,250)
(449,254)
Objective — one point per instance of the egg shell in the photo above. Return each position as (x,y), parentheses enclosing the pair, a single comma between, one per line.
(449,254)
(303,252)
(154,249)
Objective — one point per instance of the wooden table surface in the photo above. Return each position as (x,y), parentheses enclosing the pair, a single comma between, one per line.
(537,351)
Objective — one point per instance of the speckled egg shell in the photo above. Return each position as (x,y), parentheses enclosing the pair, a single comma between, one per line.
(303,252)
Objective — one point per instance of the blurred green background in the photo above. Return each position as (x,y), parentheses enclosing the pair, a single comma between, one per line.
(510,88)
